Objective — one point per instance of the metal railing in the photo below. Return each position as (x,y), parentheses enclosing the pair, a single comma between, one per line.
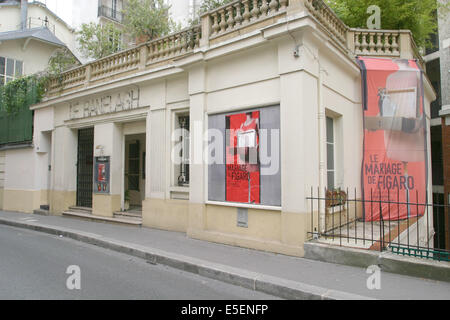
(104,11)
(37,23)
(346,221)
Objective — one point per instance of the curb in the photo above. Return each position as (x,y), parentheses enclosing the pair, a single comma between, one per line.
(387,261)
(275,286)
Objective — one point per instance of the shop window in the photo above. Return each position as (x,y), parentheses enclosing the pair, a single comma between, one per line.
(10,69)
(331,164)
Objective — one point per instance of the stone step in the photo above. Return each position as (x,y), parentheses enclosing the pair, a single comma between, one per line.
(130,214)
(88,216)
(80,209)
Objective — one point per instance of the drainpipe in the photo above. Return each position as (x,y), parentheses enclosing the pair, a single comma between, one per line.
(322,146)
(24,13)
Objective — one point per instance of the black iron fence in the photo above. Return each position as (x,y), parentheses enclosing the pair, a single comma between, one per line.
(344,218)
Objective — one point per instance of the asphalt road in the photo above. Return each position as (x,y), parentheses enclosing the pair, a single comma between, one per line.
(34,265)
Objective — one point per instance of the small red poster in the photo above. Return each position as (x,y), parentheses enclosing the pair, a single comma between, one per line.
(101,172)
(243,183)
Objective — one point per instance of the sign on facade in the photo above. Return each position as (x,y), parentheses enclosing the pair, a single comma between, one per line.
(115,102)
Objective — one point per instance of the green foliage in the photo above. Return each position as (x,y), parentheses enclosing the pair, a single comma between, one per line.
(61,61)
(208,5)
(21,93)
(148,19)
(97,41)
(415,15)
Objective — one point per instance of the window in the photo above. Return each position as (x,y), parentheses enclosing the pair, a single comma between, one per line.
(114,8)
(133,166)
(331,170)
(10,69)
(181,168)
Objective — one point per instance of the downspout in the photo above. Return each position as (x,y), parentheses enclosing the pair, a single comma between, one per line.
(24,13)
(322,147)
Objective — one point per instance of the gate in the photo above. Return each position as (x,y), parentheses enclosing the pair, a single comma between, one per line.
(85,167)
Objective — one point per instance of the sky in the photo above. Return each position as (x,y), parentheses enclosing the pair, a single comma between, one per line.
(63,8)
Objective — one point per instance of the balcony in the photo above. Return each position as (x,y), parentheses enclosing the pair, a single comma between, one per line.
(104,11)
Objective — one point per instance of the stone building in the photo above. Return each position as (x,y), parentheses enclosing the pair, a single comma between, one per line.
(147,129)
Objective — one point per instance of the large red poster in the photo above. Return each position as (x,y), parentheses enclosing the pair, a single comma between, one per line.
(242,158)
(395,154)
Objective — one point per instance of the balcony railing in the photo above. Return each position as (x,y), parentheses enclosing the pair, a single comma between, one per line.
(232,20)
(110,13)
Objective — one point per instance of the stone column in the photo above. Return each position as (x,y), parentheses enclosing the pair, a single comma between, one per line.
(108,139)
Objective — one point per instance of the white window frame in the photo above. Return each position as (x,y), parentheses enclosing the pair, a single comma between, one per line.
(333,144)
(4,76)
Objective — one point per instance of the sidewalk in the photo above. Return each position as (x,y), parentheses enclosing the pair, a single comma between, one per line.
(279,275)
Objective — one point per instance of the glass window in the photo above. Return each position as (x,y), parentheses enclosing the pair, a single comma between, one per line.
(183,175)
(330,154)
(133,166)
(2,66)
(19,69)
(10,67)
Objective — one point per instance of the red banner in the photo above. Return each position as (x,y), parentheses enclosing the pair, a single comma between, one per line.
(242,158)
(394,167)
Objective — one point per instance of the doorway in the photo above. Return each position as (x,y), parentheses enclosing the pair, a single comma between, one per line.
(135,155)
(85,167)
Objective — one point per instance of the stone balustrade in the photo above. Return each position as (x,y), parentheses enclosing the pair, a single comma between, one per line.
(328,18)
(242,12)
(376,42)
(68,79)
(117,63)
(223,21)
(173,45)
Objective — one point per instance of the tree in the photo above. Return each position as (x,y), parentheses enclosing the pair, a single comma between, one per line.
(97,41)
(419,16)
(61,61)
(148,19)
(208,5)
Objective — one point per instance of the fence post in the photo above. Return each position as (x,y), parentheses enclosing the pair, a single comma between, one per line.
(88,75)
(206,30)
(143,53)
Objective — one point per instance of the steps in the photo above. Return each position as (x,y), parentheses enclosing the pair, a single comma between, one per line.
(86,214)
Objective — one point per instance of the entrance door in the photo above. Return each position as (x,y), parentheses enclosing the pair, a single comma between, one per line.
(85,169)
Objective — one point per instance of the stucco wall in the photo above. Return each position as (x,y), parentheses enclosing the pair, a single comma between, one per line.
(35,57)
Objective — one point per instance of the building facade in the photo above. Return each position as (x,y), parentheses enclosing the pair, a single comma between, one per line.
(29,35)
(150,127)
(438,66)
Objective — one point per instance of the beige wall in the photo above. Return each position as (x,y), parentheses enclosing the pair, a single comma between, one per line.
(246,73)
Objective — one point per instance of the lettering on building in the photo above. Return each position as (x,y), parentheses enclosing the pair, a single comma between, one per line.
(115,102)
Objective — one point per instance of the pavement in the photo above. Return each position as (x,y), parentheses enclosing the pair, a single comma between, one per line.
(278,275)
(103,274)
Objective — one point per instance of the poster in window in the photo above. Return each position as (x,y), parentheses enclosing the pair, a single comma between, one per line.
(243,183)
(395,149)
